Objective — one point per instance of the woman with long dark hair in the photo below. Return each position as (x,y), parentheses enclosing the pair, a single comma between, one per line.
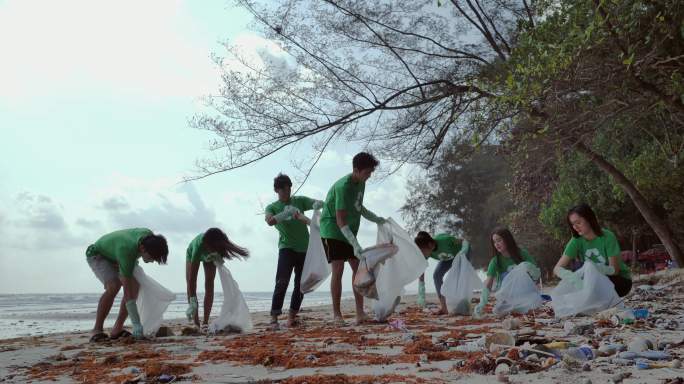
(505,256)
(590,242)
(207,248)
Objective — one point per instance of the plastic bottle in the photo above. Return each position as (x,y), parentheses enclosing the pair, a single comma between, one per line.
(640,313)
(611,349)
(582,353)
(624,317)
(559,345)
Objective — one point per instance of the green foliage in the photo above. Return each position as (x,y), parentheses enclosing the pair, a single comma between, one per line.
(463,195)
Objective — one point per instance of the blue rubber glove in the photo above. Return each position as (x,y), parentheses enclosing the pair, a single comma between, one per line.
(132,309)
(192,307)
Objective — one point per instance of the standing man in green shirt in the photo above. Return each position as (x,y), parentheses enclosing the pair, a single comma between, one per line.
(286,215)
(340,222)
(113,258)
(444,248)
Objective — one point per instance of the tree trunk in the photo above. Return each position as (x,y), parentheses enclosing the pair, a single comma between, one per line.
(659,226)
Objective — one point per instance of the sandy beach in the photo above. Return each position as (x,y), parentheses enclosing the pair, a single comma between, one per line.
(414,347)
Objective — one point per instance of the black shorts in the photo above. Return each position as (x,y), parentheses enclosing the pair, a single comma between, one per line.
(337,250)
(622,285)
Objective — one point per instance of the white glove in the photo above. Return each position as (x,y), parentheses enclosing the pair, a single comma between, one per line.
(605,269)
(317,204)
(370,216)
(352,240)
(215,258)
(484,298)
(192,307)
(570,276)
(532,270)
(287,214)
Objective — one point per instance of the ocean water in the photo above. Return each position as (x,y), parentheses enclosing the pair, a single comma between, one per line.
(39,314)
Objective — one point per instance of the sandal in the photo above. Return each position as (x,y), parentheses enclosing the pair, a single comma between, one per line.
(99,337)
(122,334)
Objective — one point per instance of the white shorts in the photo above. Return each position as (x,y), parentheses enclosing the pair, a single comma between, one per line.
(104,269)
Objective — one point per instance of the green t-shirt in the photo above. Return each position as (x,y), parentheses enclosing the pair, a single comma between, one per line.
(120,247)
(343,195)
(196,252)
(293,233)
(598,250)
(447,247)
(505,264)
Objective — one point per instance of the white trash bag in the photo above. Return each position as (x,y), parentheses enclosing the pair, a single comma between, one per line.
(366,274)
(597,294)
(234,312)
(316,268)
(518,293)
(459,284)
(396,272)
(152,301)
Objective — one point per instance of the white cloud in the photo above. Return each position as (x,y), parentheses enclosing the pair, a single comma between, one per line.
(258,53)
(36,222)
(51,48)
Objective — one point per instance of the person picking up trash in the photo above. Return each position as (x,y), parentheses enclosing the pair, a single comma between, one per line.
(286,215)
(207,248)
(340,221)
(112,258)
(592,243)
(444,248)
(506,255)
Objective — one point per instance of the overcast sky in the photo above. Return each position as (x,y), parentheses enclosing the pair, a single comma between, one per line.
(94,102)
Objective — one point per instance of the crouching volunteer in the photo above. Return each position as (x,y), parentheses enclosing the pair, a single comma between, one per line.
(113,258)
(505,256)
(592,243)
(444,248)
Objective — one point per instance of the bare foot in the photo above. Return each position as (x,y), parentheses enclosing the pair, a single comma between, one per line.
(339,321)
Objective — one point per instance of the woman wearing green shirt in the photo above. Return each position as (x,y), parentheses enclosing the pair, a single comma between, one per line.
(207,248)
(600,246)
(505,256)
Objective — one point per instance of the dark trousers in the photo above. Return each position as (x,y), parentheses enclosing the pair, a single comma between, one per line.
(622,285)
(288,260)
(438,276)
